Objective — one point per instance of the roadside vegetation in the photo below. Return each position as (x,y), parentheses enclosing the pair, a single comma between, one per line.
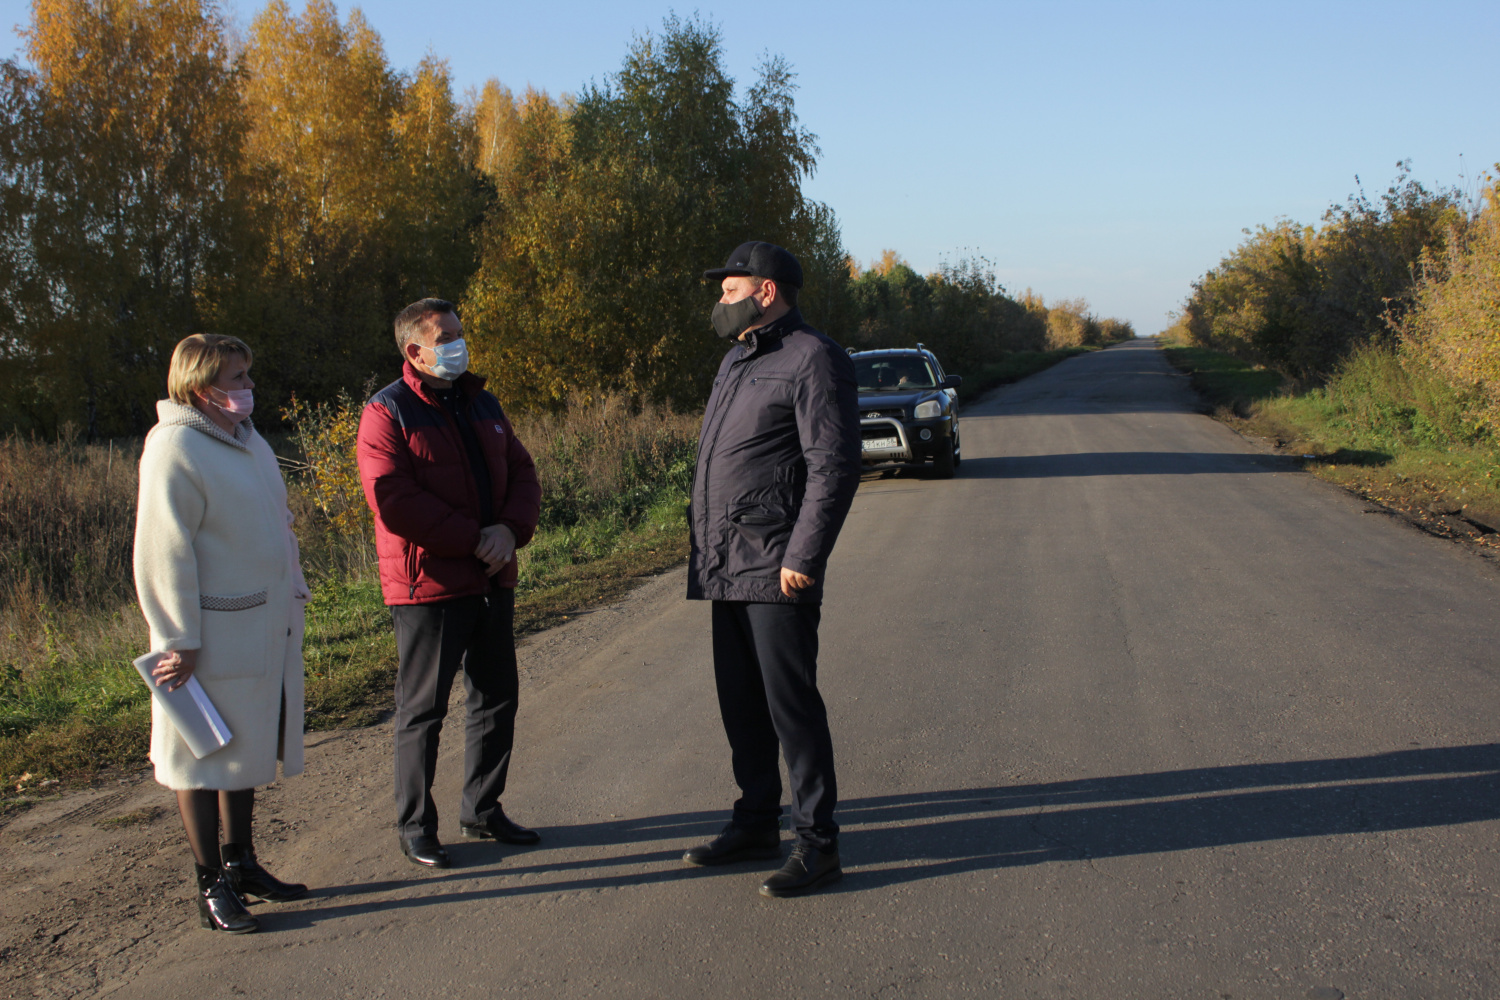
(70,703)
(1371,346)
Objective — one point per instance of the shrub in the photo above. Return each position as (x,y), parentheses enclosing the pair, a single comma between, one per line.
(1300,299)
(334,526)
(1384,394)
(1454,328)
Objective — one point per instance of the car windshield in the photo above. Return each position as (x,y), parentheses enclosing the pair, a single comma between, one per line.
(880,374)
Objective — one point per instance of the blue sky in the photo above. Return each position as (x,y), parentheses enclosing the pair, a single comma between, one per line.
(1112,151)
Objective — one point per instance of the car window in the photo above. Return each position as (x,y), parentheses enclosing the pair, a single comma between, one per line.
(894,373)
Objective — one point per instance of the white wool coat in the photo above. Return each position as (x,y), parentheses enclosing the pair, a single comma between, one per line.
(217,570)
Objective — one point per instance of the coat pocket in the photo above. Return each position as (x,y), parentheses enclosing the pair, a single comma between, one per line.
(236,635)
(758,536)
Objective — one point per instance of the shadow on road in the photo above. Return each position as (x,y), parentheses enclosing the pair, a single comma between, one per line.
(1122,463)
(895,839)
(943,833)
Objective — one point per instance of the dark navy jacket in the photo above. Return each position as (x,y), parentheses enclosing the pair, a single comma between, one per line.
(420,483)
(778,464)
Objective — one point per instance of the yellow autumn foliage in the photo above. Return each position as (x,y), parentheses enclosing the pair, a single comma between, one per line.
(325,434)
(1455,324)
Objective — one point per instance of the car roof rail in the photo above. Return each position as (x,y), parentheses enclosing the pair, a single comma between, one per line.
(849,351)
(921,346)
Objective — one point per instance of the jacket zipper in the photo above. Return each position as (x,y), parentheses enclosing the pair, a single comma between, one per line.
(708,459)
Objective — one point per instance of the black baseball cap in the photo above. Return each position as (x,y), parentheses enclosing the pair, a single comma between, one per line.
(760,260)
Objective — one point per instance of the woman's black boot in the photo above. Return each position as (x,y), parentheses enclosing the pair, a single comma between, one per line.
(245,875)
(219,906)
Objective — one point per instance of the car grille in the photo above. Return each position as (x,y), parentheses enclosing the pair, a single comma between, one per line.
(873,414)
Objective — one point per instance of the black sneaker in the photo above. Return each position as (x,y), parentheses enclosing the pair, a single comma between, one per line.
(806,870)
(736,844)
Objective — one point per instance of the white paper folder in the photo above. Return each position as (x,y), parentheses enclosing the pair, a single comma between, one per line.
(192,714)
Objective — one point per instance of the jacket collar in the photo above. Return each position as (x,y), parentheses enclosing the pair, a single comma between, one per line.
(468,382)
(170,413)
(769,335)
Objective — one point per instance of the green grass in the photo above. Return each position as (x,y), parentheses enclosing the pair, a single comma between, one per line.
(1389,431)
(1226,383)
(349,655)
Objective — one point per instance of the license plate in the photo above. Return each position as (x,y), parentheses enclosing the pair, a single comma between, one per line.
(881,444)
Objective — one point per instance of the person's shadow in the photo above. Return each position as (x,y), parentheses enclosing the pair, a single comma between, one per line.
(891,839)
(912,837)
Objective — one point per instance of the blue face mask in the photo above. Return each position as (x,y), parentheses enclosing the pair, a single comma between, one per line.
(450,360)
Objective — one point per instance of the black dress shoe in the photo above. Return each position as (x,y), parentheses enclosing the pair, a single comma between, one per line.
(806,870)
(499,827)
(736,843)
(219,907)
(245,875)
(425,850)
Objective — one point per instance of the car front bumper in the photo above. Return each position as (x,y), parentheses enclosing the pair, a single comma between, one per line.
(885,440)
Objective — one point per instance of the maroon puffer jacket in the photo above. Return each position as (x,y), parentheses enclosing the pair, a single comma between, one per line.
(419,483)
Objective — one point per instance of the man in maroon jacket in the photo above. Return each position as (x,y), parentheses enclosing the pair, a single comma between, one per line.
(454,494)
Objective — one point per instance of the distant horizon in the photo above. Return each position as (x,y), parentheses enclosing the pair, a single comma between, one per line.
(1087,150)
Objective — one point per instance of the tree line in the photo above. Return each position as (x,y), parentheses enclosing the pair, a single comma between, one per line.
(161,175)
(1407,283)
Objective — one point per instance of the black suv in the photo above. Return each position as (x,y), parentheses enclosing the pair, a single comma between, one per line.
(908,409)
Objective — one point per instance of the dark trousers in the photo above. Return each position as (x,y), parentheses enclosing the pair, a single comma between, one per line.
(434,642)
(766,670)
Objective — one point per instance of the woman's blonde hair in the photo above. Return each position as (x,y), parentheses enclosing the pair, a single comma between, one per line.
(197,361)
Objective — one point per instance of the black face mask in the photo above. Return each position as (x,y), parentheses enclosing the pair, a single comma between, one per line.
(733,319)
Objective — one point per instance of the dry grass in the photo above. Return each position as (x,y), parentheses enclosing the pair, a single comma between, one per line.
(67,526)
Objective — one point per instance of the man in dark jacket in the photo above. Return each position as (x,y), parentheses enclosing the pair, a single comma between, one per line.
(454,494)
(778,464)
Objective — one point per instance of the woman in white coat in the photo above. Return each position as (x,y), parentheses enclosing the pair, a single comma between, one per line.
(220,583)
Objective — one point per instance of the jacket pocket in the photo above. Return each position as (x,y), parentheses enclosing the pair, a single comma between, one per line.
(237,635)
(758,535)
(769,387)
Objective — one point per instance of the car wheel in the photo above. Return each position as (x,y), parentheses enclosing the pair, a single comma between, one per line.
(943,462)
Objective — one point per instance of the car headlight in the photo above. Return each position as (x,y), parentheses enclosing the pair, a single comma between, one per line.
(926,411)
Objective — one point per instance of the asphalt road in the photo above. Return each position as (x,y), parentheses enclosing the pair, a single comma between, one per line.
(1128,709)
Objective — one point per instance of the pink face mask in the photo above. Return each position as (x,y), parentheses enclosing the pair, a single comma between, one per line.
(238,403)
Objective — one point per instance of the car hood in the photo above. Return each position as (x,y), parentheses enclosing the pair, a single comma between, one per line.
(892,400)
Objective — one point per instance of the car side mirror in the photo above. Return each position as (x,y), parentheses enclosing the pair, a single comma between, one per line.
(953,381)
